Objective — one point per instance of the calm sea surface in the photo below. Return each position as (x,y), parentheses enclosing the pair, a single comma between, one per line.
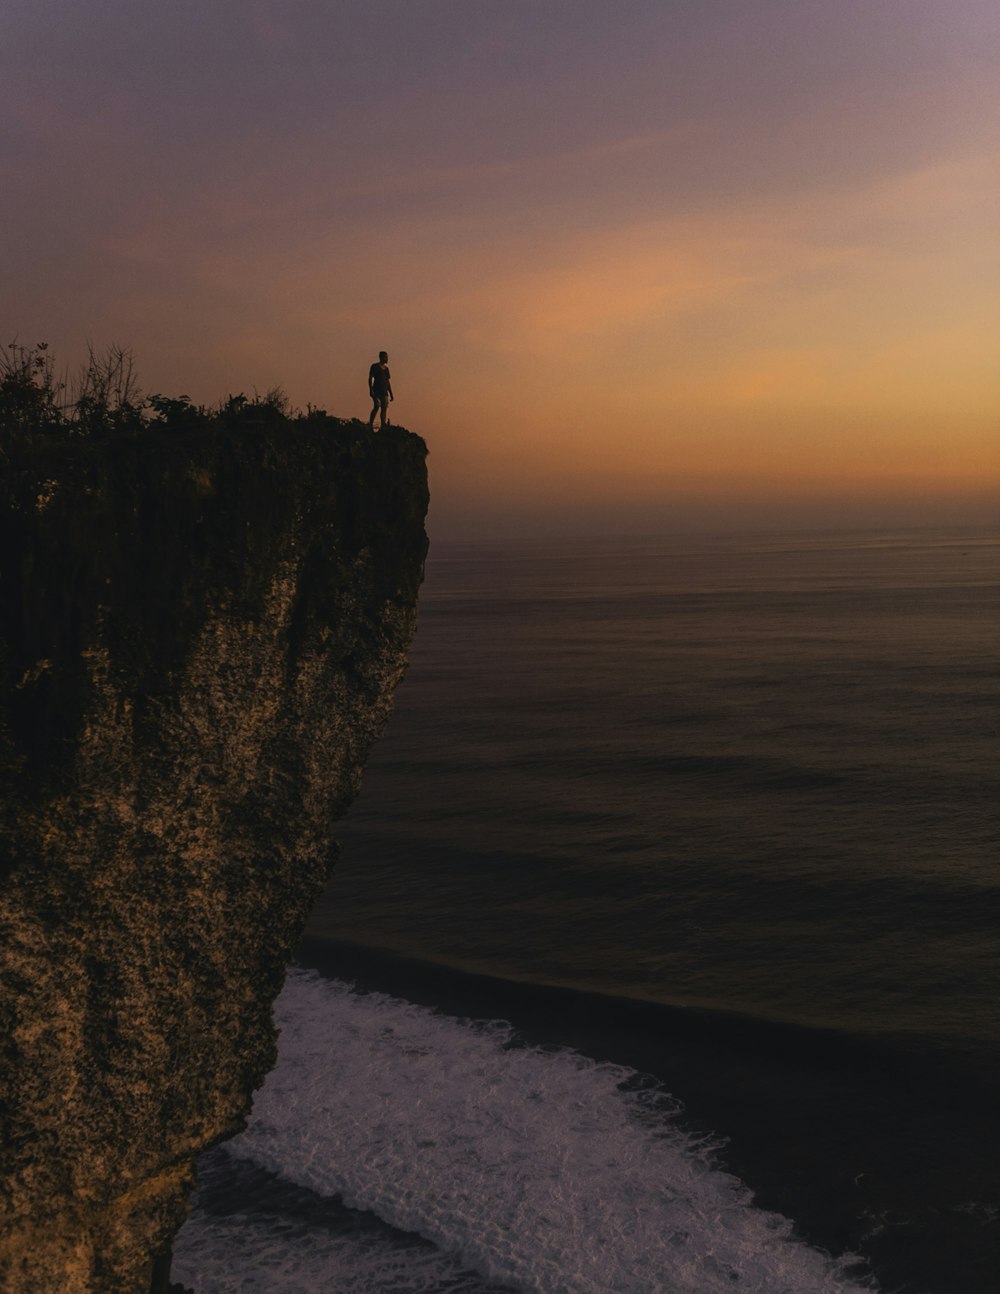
(720,816)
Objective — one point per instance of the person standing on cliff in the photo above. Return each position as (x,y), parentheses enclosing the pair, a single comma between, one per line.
(380,389)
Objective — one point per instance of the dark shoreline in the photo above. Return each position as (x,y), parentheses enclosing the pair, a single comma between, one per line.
(873,1146)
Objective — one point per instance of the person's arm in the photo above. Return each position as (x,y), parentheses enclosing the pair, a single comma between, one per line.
(388,386)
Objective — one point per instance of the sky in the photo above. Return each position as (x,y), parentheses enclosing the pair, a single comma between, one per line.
(640,267)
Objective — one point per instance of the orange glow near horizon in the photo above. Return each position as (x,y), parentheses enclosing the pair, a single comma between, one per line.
(624,276)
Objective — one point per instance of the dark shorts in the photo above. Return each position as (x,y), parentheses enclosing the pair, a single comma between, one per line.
(380,397)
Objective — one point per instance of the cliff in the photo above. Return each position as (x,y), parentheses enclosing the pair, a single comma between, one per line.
(201,634)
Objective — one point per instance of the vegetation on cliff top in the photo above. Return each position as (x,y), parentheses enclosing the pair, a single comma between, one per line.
(38,407)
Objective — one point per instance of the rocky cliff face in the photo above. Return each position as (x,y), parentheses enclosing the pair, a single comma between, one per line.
(202,632)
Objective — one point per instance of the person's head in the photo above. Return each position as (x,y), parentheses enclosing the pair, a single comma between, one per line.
(383,358)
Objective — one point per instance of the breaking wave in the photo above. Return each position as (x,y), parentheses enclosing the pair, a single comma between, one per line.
(524,1168)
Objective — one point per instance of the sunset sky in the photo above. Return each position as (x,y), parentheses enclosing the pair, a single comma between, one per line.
(639,266)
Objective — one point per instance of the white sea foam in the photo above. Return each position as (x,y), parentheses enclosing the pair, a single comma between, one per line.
(251,1255)
(534,1168)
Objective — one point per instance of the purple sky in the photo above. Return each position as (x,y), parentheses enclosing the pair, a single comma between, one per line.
(751,244)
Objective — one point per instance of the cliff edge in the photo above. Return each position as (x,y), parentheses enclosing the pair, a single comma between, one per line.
(201,634)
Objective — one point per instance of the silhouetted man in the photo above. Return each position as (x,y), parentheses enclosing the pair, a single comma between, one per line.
(380,389)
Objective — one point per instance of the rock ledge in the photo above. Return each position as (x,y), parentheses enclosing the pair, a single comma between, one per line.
(201,634)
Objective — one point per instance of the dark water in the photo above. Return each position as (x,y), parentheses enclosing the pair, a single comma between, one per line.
(718,812)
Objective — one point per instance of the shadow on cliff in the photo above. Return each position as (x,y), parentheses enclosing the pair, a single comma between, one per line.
(204,617)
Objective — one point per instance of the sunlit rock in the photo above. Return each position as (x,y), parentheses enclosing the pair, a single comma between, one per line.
(201,634)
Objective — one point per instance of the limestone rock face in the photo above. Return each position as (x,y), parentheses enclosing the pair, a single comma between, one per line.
(201,634)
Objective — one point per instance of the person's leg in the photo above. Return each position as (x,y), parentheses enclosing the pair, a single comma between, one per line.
(384,405)
(375,408)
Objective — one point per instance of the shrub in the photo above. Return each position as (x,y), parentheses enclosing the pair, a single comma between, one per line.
(29,392)
(105,399)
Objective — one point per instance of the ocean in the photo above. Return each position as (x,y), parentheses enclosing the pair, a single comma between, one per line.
(662,953)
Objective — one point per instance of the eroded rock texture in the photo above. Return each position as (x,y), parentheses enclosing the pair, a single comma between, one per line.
(201,637)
